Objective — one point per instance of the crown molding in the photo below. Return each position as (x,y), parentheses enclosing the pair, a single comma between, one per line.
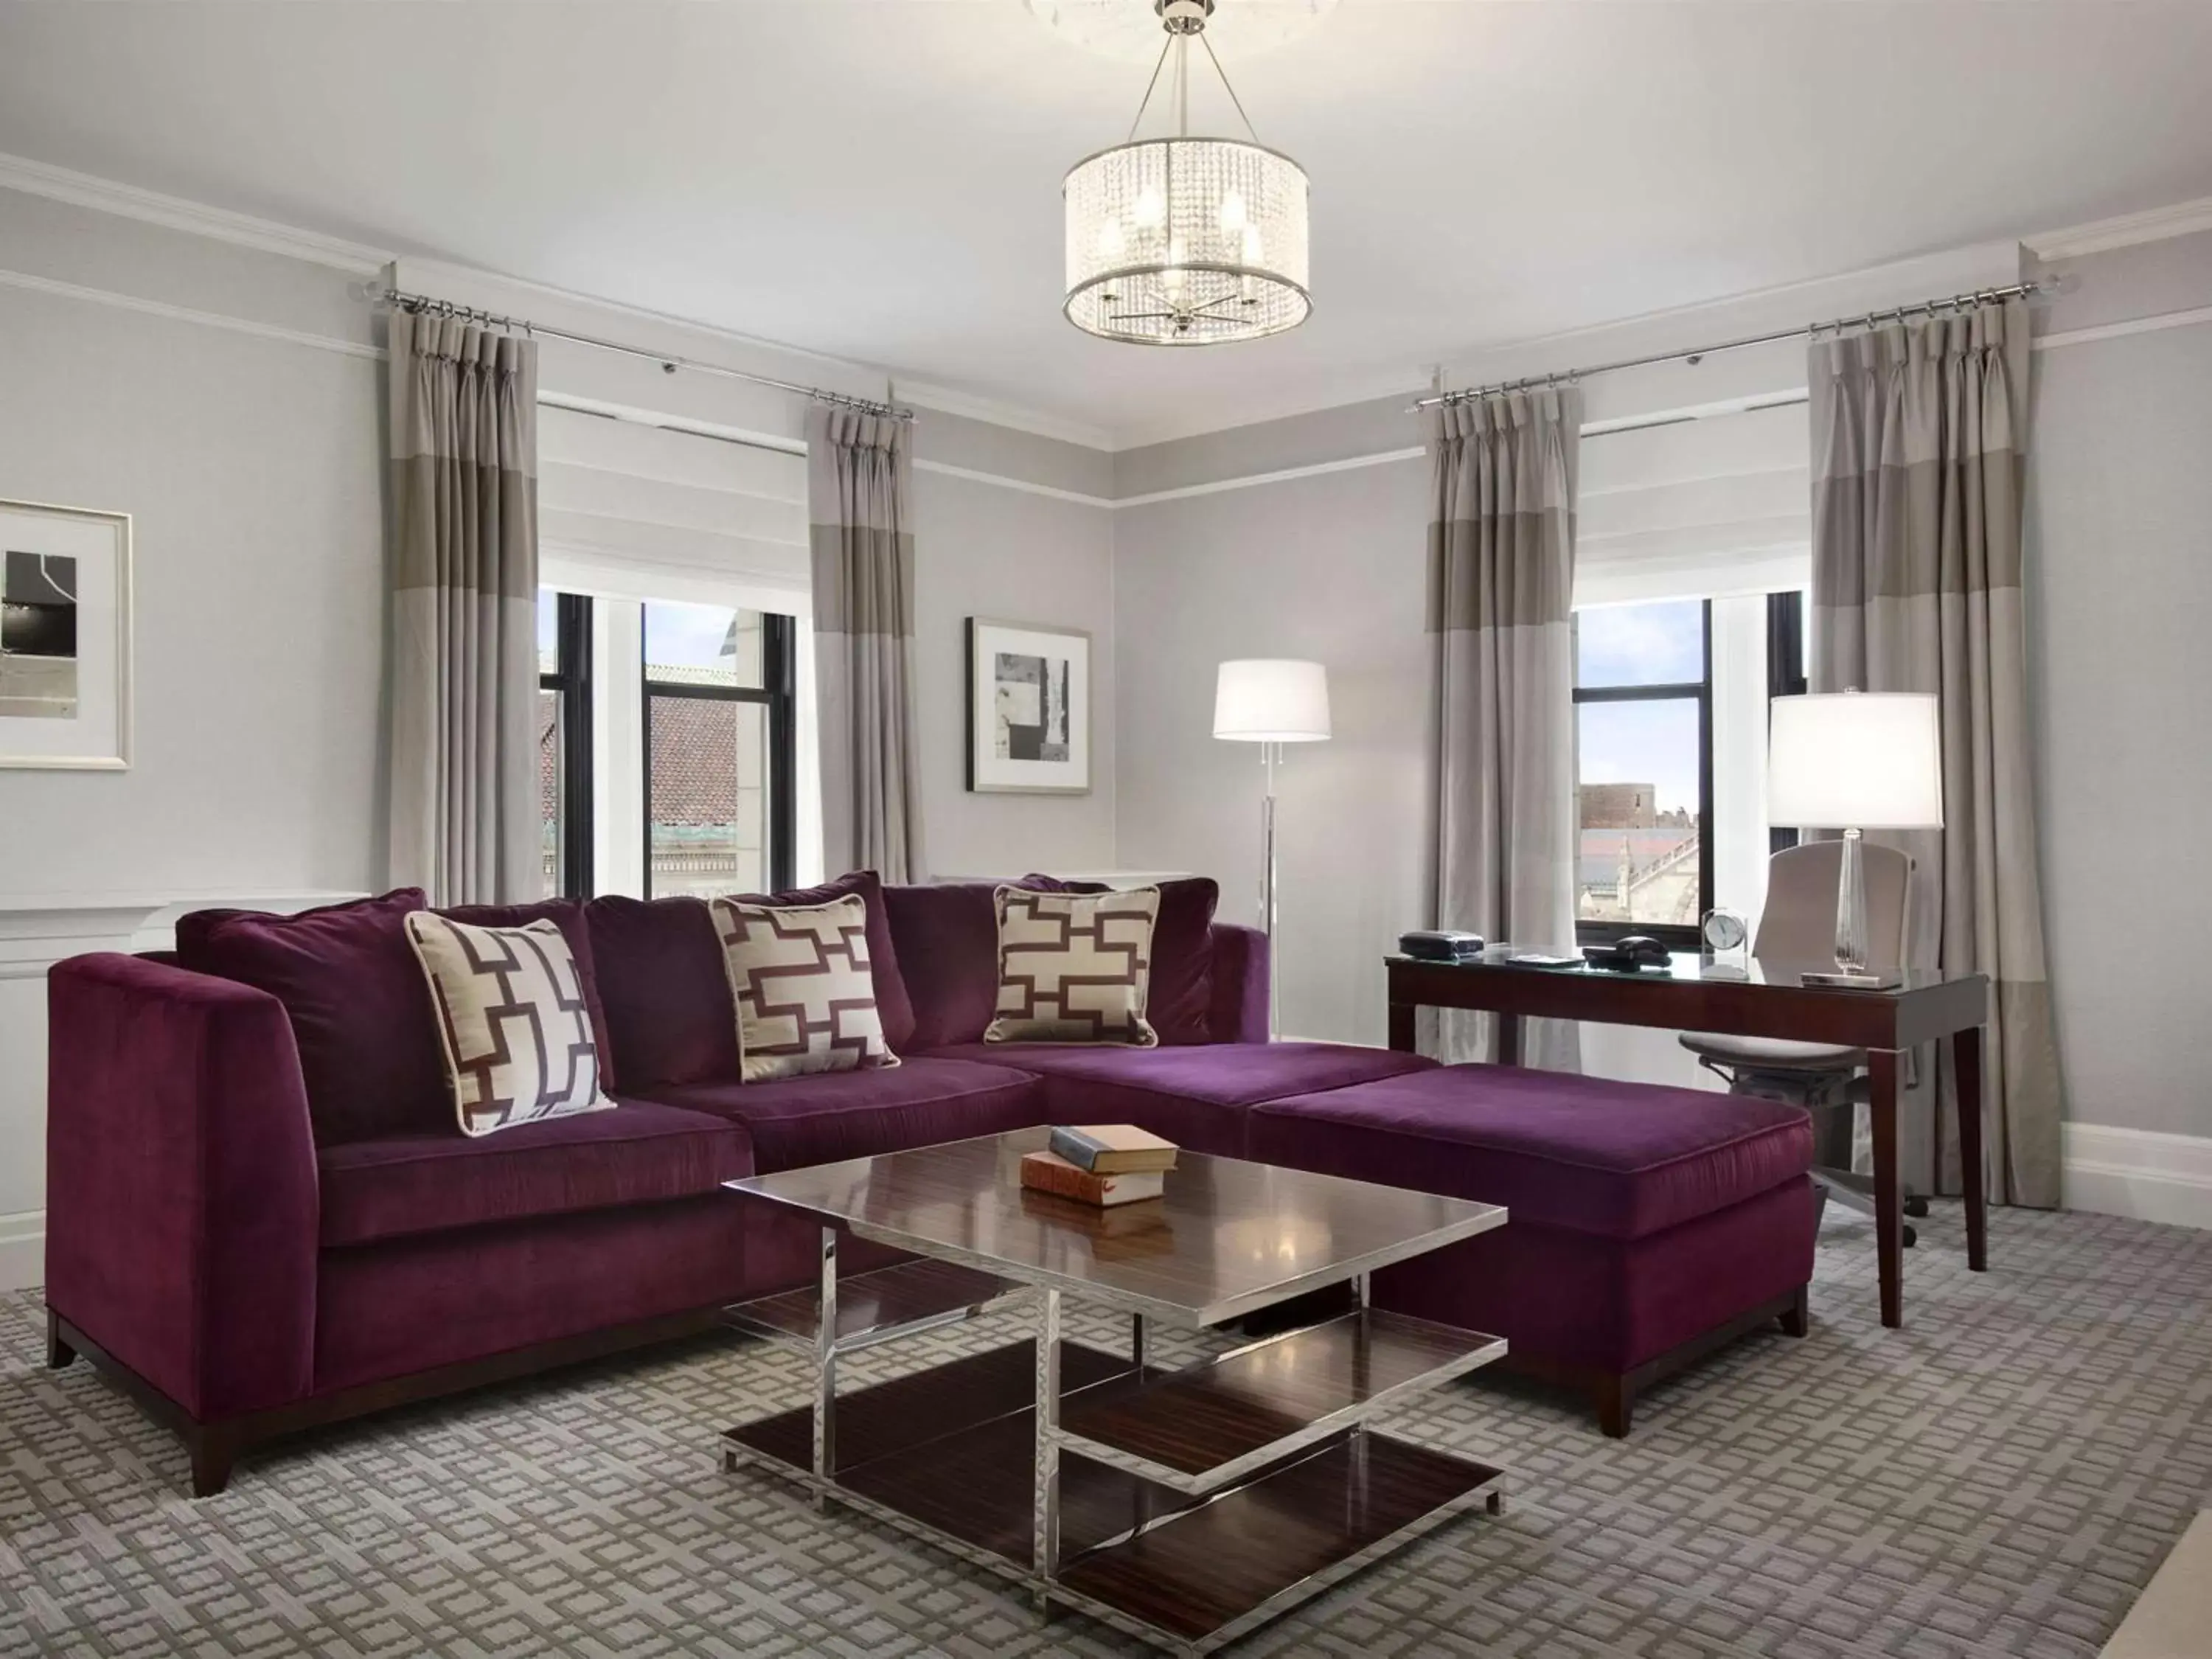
(861,379)
(2101,235)
(19,172)
(948,400)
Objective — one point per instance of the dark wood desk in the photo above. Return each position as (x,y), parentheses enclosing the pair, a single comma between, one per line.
(1766,1001)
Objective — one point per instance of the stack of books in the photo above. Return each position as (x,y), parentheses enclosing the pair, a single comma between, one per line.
(1100,1163)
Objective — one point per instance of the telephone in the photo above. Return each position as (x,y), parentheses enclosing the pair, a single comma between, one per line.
(1627,954)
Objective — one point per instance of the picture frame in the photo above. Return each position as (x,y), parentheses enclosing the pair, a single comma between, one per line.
(1028,708)
(65,637)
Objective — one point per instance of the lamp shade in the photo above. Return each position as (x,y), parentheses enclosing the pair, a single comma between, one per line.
(1271,700)
(1855,760)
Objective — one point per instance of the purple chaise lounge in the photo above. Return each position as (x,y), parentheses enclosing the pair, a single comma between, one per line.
(1649,1225)
(261,1216)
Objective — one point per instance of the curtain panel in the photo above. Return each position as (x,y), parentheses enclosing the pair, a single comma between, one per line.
(1919,450)
(859,498)
(1501,588)
(465,822)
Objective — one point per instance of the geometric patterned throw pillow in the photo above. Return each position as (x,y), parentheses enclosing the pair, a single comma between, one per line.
(800,977)
(1075,967)
(513,1019)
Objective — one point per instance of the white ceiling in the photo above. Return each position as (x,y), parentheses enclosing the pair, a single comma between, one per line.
(878,179)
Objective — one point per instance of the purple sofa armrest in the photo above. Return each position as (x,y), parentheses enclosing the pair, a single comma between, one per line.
(181,1203)
(1239,1013)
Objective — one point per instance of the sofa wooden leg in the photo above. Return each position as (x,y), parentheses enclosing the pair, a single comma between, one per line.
(1616,1406)
(213,1452)
(1796,1319)
(58,1352)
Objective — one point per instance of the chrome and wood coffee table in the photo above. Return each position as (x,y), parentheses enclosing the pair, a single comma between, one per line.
(1185,1506)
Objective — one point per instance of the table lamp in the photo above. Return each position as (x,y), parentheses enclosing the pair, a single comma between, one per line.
(1271,701)
(1855,761)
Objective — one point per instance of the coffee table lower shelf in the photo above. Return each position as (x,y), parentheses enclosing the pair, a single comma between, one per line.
(949,1454)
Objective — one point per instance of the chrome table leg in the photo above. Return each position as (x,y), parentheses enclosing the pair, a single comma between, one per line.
(1045,1517)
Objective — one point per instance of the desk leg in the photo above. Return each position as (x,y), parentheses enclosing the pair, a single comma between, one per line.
(1967,1057)
(1402,1027)
(1509,1039)
(1889,1199)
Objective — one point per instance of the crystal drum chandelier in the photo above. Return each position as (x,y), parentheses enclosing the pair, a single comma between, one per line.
(1186,241)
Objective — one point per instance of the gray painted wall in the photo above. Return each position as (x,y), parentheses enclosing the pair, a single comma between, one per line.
(2120,562)
(1331,567)
(985,551)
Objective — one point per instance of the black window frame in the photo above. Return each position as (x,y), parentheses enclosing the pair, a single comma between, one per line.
(571,679)
(1785,673)
(1678,936)
(778,690)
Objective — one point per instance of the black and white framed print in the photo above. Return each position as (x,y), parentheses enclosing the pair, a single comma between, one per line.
(1028,708)
(65,637)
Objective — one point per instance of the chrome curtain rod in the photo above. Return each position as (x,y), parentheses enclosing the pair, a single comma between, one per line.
(422,304)
(1896,313)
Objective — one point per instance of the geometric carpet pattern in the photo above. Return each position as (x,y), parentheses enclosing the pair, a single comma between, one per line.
(2000,1477)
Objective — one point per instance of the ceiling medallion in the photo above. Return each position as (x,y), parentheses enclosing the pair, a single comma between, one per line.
(1186,241)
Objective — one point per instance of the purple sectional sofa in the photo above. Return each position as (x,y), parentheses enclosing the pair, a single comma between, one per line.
(262,1217)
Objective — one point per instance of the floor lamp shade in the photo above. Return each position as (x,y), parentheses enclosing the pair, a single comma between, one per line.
(1853,761)
(1271,700)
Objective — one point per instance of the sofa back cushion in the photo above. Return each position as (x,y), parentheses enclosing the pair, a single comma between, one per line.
(670,1018)
(1179,1006)
(359,1009)
(947,939)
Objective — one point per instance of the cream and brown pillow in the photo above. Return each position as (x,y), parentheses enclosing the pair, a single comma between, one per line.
(800,975)
(1075,967)
(513,1021)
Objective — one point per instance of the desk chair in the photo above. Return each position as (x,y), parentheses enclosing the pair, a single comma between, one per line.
(1799,927)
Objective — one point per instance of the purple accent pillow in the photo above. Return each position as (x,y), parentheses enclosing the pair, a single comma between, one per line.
(1180,1004)
(667,995)
(359,1009)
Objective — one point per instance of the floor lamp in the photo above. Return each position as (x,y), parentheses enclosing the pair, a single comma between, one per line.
(1271,701)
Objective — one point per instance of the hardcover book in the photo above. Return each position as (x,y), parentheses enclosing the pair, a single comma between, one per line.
(1043,1172)
(1113,1148)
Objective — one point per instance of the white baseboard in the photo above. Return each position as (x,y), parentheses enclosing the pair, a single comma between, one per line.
(22,1250)
(2139,1173)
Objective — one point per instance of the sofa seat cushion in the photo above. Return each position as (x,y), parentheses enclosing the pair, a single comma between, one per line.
(1195,1095)
(1621,1160)
(829,1116)
(638,1153)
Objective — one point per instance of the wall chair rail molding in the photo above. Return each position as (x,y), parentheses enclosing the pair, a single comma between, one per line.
(2139,1173)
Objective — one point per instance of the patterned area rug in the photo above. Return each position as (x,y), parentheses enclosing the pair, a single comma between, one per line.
(2001,1477)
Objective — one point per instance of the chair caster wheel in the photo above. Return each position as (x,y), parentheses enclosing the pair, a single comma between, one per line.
(1911,1239)
(1916,1208)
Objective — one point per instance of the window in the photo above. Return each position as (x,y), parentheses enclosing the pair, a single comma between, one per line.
(564,741)
(719,749)
(1643,722)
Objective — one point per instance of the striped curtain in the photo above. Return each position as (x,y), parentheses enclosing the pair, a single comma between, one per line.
(1501,586)
(464,562)
(859,496)
(1919,448)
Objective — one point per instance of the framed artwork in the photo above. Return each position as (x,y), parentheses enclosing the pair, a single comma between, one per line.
(65,637)
(1028,708)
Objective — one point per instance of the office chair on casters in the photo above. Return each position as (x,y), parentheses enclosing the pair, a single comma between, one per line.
(1799,927)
